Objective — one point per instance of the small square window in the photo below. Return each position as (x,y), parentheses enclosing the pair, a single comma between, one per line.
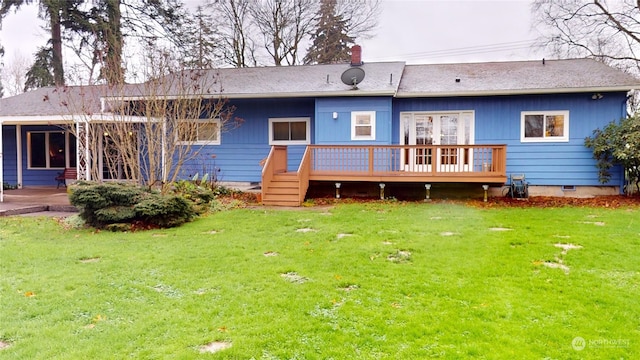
(289,131)
(363,125)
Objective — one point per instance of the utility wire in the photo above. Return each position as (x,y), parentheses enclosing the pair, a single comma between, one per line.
(469,50)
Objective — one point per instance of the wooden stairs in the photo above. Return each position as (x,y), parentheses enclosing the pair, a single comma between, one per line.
(283,190)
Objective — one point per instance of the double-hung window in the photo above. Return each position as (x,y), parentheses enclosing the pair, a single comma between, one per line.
(544,126)
(50,149)
(289,131)
(363,125)
(200,131)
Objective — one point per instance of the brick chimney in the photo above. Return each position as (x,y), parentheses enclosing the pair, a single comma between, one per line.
(356,55)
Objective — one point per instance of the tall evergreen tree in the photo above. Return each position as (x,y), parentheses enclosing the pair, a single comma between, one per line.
(199,48)
(330,40)
(40,74)
(55,12)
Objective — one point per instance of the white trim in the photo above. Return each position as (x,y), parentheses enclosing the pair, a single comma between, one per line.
(307,122)
(544,138)
(354,125)
(498,92)
(63,119)
(19,155)
(202,142)
(1,167)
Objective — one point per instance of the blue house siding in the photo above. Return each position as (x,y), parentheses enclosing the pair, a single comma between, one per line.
(241,149)
(498,121)
(9,154)
(329,131)
(36,177)
(30,177)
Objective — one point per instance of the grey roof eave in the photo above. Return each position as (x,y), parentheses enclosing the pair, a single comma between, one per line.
(351,93)
(405,94)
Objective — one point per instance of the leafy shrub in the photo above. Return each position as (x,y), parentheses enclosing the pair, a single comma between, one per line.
(193,191)
(92,200)
(116,205)
(618,144)
(164,211)
(115,214)
(7,186)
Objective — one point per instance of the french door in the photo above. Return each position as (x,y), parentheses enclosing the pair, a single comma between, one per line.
(437,128)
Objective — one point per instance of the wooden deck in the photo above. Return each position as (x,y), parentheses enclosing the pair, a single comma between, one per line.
(484,164)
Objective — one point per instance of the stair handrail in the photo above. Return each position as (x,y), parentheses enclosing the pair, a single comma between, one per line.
(303,174)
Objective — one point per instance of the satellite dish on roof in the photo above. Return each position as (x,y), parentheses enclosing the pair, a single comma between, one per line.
(352,76)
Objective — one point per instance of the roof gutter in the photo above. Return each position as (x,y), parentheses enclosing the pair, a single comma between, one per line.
(346,93)
(414,94)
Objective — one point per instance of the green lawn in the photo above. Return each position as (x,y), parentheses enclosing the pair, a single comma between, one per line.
(357,281)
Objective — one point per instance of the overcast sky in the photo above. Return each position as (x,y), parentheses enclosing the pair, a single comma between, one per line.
(415,31)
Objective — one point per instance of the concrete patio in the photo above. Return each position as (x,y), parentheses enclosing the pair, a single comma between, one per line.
(44,200)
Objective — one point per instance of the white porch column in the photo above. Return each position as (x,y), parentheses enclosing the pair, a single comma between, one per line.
(19,155)
(164,152)
(82,150)
(1,166)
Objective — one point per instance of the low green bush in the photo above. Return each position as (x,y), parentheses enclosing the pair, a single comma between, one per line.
(104,205)
(165,210)
(194,192)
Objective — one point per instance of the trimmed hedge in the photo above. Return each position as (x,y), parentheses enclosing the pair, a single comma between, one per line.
(103,205)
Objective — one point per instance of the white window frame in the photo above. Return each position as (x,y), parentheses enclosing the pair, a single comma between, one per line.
(307,122)
(545,138)
(354,125)
(217,141)
(46,146)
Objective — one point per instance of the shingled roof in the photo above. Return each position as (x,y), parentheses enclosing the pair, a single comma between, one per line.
(56,102)
(511,78)
(381,79)
(393,79)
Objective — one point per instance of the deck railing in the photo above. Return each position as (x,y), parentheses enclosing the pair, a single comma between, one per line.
(303,174)
(437,163)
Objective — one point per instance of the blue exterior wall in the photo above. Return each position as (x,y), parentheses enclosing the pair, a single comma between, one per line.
(497,121)
(338,132)
(30,177)
(9,154)
(240,151)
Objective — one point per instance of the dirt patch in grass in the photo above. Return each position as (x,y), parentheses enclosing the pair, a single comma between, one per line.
(4,344)
(400,256)
(294,278)
(566,247)
(499,229)
(214,347)
(555,265)
(349,287)
(270,253)
(88,260)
